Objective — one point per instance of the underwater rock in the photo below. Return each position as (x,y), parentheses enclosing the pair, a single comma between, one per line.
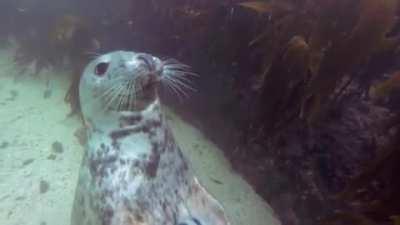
(44,186)
(57,147)
(10,213)
(20,198)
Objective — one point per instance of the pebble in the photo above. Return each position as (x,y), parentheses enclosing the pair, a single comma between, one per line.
(13,96)
(57,147)
(51,157)
(47,93)
(27,162)
(44,186)
(20,198)
(4,144)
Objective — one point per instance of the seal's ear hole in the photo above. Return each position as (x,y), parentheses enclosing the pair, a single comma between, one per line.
(101,69)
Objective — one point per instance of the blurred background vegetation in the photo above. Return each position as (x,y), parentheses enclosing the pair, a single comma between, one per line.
(302,95)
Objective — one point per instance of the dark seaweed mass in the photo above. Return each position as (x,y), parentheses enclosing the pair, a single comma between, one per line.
(302,95)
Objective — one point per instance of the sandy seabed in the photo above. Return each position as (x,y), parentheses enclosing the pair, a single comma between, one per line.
(37,181)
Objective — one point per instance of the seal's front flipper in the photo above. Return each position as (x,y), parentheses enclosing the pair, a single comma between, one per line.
(200,208)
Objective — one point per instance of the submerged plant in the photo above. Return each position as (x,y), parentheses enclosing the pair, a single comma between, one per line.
(66,39)
(341,36)
(385,88)
(284,83)
(345,55)
(74,34)
(374,193)
(33,53)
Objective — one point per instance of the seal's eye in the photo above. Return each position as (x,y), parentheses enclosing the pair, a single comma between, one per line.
(101,69)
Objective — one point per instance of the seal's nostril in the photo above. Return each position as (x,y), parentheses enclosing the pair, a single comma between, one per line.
(148,60)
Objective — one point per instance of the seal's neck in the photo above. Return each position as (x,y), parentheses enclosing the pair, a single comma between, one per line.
(147,118)
(105,122)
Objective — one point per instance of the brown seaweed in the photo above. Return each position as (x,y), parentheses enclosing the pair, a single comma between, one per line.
(376,19)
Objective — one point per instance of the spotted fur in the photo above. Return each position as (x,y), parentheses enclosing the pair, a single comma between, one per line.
(133,172)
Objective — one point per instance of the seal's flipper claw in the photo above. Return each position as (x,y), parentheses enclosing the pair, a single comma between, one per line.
(201,208)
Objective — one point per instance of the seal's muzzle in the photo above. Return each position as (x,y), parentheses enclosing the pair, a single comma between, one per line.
(152,65)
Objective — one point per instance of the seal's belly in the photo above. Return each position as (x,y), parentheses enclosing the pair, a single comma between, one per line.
(116,190)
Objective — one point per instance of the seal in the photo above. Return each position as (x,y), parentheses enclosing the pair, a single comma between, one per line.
(133,172)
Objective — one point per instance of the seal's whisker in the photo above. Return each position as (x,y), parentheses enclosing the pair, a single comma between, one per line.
(109,98)
(180,71)
(177,89)
(134,92)
(173,90)
(185,79)
(118,95)
(126,93)
(176,76)
(175,62)
(107,93)
(179,67)
(184,93)
(169,87)
(179,81)
(172,81)
(121,101)
(174,66)
(113,85)
(129,95)
(125,97)
(191,74)
(183,84)
(115,95)
(172,61)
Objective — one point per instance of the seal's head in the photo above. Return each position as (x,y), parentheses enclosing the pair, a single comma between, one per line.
(127,81)
(122,81)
